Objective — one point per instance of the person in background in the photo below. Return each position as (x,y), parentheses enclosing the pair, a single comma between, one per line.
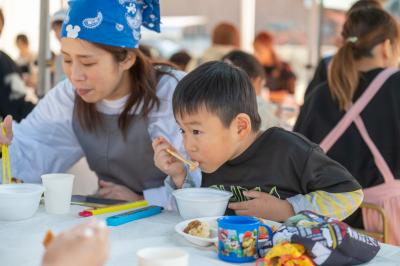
(56,25)
(180,59)
(272,174)
(26,60)
(13,92)
(371,44)
(111,106)
(83,245)
(255,71)
(145,50)
(280,78)
(225,38)
(321,72)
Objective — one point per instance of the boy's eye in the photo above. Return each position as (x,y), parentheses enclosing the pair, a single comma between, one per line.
(182,131)
(195,132)
(67,61)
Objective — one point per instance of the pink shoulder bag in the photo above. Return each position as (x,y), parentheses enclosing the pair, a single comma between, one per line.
(386,195)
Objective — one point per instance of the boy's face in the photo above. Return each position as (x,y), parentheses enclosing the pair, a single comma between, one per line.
(207,140)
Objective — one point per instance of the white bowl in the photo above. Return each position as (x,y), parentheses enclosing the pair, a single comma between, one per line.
(19,201)
(200,241)
(201,202)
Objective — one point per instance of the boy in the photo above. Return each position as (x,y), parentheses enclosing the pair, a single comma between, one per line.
(272,174)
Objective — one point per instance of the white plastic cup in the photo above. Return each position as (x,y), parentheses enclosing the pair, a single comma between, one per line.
(58,192)
(163,256)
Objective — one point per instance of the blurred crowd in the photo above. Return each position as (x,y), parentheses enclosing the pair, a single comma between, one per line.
(274,78)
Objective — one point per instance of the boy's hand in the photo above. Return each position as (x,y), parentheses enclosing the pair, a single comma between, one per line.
(167,163)
(85,244)
(114,191)
(7,124)
(263,205)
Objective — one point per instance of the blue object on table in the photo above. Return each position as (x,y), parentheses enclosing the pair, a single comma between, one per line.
(130,216)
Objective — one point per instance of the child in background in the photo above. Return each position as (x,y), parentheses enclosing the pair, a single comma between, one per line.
(272,174)
(255,71)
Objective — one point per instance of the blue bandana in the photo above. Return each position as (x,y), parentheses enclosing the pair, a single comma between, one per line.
(111,22)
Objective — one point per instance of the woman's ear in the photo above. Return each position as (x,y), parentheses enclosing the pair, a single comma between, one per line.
(389,53)
(129,61)
(243,125)
(387,49)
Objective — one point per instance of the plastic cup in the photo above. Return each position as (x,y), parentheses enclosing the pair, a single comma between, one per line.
(163,256)
(58,191)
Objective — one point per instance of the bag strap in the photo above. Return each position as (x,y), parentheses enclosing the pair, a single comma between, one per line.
(353,114)
(356,109)
(378,158)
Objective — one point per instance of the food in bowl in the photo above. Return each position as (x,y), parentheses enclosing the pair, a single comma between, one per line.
(19,201)
(212,239)
(198,228)
(201,202)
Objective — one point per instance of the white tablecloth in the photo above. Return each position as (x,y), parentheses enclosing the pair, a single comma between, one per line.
(21,242)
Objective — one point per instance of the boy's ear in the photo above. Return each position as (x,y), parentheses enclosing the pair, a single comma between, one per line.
(243,124)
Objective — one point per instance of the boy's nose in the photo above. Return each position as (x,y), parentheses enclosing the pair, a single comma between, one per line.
(190,147)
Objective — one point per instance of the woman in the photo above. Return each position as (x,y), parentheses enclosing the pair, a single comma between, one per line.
(112,105)
(280,78)
(371,44)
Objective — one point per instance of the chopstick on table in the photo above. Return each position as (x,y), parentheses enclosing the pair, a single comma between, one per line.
(6,158)
(192,165)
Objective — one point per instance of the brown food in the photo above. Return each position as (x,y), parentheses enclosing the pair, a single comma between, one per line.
(48,238)
(197,228)
(192,225)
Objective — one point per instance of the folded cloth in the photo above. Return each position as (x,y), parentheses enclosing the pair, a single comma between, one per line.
(327,241)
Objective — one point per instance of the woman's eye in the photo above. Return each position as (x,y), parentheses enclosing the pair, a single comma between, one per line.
(67,61)
(89,64)
(182,131)
(195,132)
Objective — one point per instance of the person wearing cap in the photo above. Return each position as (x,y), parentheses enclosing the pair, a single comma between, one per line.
(56,25)
(111,106)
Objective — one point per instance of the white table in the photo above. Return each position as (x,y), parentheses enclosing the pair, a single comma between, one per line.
(21,242)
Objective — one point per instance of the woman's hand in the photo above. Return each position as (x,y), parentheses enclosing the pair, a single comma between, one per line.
(167,163)
(85,244)
(113,191)
(7,125)
(263,205)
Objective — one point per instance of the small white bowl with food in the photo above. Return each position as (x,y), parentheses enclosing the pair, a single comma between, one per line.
(201,202)
(202,232)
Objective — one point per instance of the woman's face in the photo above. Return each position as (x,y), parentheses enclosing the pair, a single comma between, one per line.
(94,72)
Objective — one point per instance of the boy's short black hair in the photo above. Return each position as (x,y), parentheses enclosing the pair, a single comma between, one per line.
(223,89)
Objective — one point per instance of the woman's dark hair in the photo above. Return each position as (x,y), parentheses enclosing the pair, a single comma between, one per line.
(144,76)
(221,88)
(363,30)
(247,62)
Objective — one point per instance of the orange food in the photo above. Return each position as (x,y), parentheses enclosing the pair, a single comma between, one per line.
(286,254)
(48,238)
